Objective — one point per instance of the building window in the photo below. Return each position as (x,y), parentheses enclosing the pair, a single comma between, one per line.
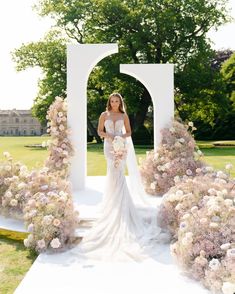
(25,133)
(25,120)
(17,120)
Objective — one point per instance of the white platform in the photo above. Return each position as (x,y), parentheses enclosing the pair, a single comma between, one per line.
(62,274)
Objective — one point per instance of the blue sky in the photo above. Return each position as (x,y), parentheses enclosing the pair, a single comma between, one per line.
(19,24)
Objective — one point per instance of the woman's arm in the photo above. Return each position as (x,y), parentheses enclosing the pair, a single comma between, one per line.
(127,126)
(100,129)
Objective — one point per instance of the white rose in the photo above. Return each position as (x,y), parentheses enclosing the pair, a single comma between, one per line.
(14,202)
(231,252)
(209,168)
(41,243)
(199,152)
(225,246)
(181,140)
(189,172)
(26,243)
(214,264)
(167,165)
(190,124)
(229,166)
(22,185)
(179,193)
(55,243)
(6,154)
(176,179)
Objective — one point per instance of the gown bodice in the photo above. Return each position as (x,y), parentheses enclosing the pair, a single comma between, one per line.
(114,127)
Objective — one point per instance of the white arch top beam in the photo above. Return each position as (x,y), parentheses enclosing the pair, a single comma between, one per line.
(158,80)
(81,59)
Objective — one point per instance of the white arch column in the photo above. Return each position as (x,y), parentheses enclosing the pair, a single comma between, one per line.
(158,79)
(81,59)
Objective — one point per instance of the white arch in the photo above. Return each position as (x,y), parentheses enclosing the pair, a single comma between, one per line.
(81,59)
(158,79)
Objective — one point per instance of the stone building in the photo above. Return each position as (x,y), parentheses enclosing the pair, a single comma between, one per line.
(19,123)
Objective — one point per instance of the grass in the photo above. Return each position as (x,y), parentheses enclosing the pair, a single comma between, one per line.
(15,259)
(32,157)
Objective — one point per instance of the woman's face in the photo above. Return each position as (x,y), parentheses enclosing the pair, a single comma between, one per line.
(115,102)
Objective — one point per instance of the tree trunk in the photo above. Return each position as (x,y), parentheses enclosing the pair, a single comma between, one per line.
(93,130)
(140,116)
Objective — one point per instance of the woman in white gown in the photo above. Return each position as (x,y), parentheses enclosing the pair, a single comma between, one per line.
(122,232)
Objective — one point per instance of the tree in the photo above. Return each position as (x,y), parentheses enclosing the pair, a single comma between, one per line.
(228,72)
(147,31)
(49,54)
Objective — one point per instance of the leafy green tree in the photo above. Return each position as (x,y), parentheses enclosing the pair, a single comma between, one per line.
(147,31)
(228,72)
(50,55)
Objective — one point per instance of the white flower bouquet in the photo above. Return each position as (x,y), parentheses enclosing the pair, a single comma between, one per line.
(119,149)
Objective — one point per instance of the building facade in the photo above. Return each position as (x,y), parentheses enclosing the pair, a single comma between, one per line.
(19,123)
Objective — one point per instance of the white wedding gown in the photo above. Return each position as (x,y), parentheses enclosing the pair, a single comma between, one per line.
(123,232)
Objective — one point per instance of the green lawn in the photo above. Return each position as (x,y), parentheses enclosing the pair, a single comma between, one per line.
(15,260)
(96,165)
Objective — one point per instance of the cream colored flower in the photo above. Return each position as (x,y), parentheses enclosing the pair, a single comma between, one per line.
(41,243)
(56,222)
(13,202)
(55,243)
(214,264)
(228,166)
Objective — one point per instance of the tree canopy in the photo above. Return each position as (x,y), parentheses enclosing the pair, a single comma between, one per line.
(147,31)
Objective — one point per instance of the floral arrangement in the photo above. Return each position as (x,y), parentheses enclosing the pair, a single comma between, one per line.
(200,214)
(177,155)
(206,242)
(43,197)
(119,149)
(60,147)
(49,214)
(188,193)
(12,187)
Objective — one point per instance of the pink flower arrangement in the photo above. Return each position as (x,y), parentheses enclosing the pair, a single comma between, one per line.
(119,149)
(188,193)
(200,214)
(13,195)
(43,197)
(60,147)
(176,156)
(49,214)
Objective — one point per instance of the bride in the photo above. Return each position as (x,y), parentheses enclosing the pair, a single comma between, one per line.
(127,227)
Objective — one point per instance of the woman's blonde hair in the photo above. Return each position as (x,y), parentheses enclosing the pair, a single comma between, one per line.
(121,105)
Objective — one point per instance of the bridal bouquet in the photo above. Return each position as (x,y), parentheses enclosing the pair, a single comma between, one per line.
(119,149)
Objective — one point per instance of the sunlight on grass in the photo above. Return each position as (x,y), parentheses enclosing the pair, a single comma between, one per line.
(15,261)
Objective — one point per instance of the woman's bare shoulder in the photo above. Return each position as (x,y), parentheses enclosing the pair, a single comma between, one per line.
(104,113)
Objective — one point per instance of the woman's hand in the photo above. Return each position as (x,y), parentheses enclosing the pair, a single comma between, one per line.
(110,137)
